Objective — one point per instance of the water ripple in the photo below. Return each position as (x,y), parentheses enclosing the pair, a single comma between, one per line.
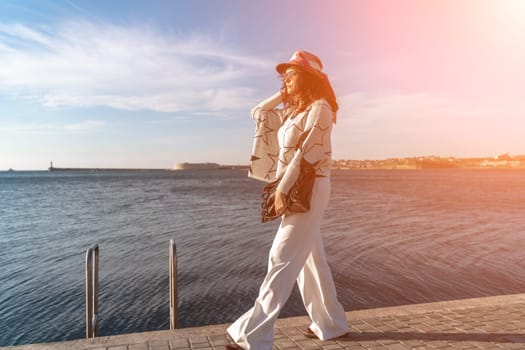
(392,237)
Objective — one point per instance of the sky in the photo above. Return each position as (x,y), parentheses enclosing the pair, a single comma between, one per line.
(147,84)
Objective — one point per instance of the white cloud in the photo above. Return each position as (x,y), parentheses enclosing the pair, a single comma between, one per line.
(29,129)
(85,125)
(81,64)
(51,128)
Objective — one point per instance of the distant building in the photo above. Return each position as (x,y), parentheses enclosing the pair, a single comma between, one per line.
(504,156)
(196,166)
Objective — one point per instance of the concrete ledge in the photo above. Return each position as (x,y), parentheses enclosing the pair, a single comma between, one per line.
(490,322)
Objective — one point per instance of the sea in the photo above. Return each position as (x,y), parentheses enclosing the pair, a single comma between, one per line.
(393,237)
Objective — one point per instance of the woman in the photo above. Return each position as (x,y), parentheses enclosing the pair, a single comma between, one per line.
(297,253)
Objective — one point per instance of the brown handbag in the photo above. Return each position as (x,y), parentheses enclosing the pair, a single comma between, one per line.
(301,192)
(298,200)
(268,212)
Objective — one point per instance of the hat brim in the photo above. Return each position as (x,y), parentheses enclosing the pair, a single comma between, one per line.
(282,67)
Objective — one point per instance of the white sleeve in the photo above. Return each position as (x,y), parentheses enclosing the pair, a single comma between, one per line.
(265,150)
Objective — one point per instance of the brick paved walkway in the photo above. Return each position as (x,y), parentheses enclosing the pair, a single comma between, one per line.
(484,323)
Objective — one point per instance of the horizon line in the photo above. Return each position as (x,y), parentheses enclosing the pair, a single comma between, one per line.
(247,164)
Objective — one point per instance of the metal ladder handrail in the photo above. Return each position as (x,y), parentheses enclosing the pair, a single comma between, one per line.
(173,284)
(92,255)
(92,291)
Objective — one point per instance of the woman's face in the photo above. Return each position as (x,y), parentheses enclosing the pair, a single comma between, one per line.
(292,78)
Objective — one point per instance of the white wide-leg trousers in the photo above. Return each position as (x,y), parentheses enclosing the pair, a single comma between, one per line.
(297,254)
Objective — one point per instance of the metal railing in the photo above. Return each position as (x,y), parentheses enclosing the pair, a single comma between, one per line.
(92,291)
(173,284)
(92,288)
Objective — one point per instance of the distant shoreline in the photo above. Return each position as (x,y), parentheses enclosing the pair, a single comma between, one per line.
(103,169)
(503,161)
(245,168)
(185,166)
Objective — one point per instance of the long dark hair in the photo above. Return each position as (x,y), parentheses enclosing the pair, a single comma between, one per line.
(314,87)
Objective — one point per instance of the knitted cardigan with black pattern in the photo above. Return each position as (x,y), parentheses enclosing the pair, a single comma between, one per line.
(275,153)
